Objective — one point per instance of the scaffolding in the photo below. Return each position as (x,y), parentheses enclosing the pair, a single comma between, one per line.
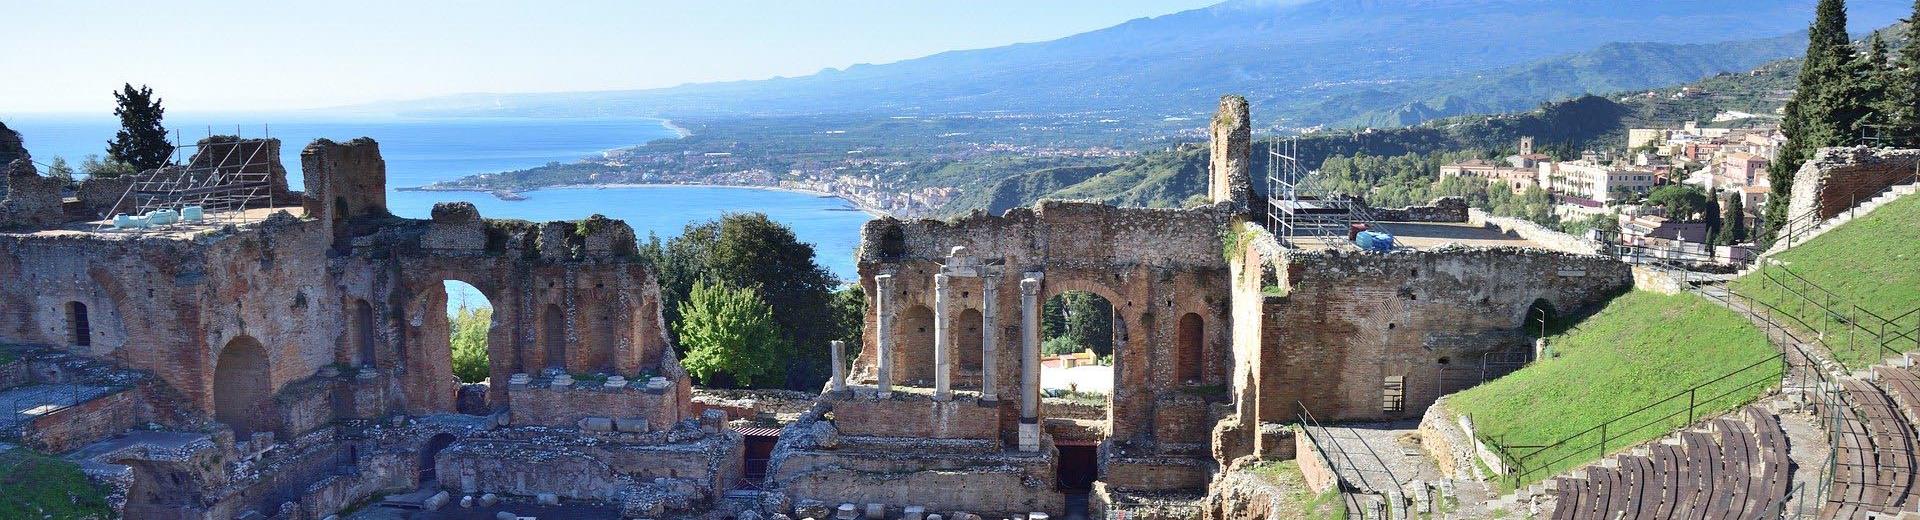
(1299,214)
(224,176)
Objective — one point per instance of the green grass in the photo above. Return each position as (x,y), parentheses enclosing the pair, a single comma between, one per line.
(1301,502)
(1639,350)
(34,485)
(1870,262)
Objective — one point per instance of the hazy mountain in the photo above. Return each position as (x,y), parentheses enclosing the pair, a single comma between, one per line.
(1290,57)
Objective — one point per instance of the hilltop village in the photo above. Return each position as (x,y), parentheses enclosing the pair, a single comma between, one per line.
(229,347)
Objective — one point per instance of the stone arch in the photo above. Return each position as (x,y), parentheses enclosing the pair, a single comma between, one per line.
(79,325)
(1538,319)
(241,386)
(915,346)
(1189,342)
(969,336)
(553,336)
(360,334)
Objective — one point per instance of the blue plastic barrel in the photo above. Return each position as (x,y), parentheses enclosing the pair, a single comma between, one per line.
(1378,241)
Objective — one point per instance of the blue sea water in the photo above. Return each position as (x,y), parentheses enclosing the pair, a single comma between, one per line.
(423,150)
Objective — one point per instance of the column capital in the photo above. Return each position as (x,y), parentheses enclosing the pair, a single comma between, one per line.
(1030,286)
(940,281)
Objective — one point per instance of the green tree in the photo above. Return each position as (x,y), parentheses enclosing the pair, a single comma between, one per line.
(94,166)
(59,169)
(1682,201)
(1876,77)
(751,250)
(850,317)
(1733,229)
(469,341)
(730,336)
(1902,103)
(142,140)
(1083,318)
(1826,109)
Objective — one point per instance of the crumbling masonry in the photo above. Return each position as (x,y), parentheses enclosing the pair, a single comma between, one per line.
(297,364)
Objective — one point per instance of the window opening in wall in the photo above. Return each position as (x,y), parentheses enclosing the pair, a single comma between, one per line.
(469,319)
(81,329)
(1190,335)
(1393,394)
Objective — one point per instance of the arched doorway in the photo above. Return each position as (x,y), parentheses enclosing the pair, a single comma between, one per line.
(1189,336)
(915,350)
(968,340)
(241,386)
(427,472)
(469,322)
(553,336)
(360,333)
(1539,320)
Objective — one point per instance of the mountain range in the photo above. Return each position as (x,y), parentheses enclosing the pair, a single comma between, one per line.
(1301,62)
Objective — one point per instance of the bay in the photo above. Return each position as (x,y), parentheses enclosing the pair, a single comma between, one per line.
(423,150)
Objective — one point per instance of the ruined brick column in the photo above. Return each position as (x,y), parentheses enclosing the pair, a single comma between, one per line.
(989,334)
(1231,142)
(942,351)
(839,381)
(1030,364)
(883,334)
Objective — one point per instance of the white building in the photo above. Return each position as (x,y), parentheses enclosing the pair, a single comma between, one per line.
(1593,181)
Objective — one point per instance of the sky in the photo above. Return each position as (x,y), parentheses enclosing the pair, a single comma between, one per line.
(206,55)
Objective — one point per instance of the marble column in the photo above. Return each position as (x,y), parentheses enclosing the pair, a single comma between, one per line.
(989,335)
(942,351)
(1030,364)
(839,381)
(883,340)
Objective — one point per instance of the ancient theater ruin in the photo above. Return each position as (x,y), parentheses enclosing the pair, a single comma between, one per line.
(214,344)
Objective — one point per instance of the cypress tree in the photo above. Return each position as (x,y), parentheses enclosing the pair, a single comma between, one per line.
(1733,228)
(141,141)
(1903,87)
(1827,108)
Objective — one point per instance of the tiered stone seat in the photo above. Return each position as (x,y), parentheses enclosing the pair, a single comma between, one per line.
(1736,470)
(1877,452)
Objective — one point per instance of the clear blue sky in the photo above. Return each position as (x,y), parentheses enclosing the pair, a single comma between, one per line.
(64,56)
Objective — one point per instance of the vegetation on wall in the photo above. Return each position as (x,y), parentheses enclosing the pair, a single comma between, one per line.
(34,485)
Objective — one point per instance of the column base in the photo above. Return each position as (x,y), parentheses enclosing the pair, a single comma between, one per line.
(1029,435)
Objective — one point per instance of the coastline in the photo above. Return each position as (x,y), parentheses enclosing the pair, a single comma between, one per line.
(680,132)
(864,208)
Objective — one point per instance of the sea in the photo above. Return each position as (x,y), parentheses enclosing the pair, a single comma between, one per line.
(425,149)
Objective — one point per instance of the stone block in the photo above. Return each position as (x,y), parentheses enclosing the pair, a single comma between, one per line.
(547,499)
(846,511)
(913,513)
(811,509)
(466,501)
(631,424)
(489,499)
(596,424)
(437,501)
(876,511)
(505,515)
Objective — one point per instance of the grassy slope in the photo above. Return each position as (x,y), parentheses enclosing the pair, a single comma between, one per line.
(1642,348)
(1872,262)
(33,485)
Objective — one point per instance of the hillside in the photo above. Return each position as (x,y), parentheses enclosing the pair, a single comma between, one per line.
(1868,262)
(1293,59)
(1641,349)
